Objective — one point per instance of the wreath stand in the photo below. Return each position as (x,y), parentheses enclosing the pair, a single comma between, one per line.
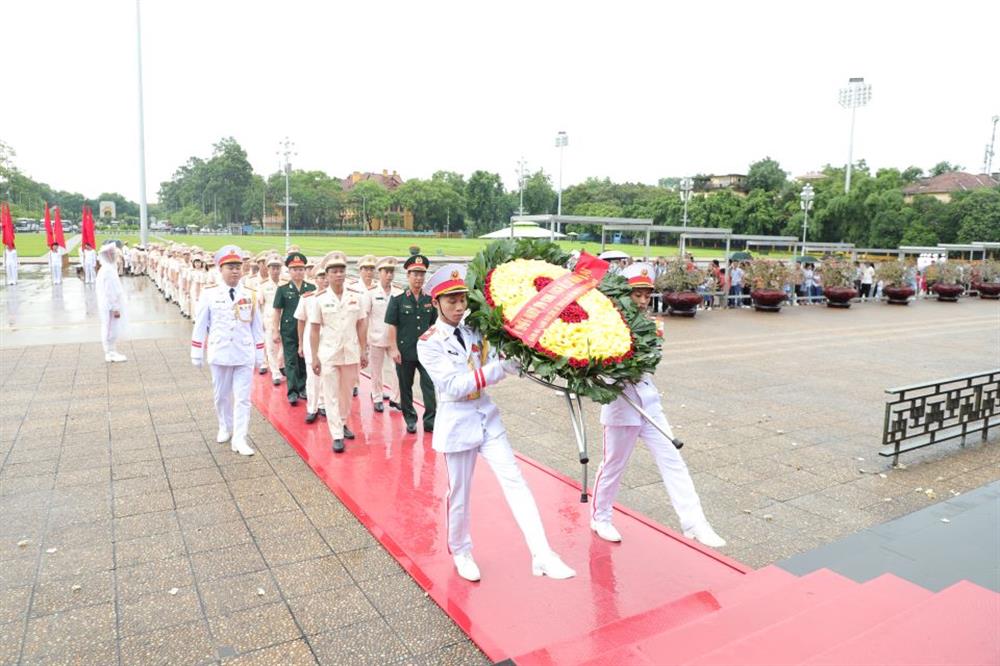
(575,406)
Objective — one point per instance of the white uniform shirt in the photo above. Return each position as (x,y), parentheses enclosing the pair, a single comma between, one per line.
(338,318)
(643,393)
(233,328)
(55,257)
(88,257)
(466,417)
(266,300)
(378,330)
(302,314)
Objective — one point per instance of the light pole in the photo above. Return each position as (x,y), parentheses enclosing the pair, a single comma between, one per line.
(806,203)
(988,162)
(562,140)
(521,166)
(286,153)
(857,93)
(686,186)
(143,208)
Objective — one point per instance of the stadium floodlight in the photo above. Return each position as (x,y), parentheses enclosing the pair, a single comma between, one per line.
(286,153)
(857,93)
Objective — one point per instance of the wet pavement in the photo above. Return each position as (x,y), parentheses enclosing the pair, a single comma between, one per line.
(37,312)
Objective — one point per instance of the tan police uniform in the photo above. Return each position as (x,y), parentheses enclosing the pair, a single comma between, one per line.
(379,353)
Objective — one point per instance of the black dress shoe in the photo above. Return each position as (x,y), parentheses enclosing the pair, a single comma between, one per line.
(262,371)
(395,405)
(379,407)
(311,417)
(347,433)
(355,392)
(429,428)
(276,381)
(411,428)
(338,446)
(293,399)
(322,412)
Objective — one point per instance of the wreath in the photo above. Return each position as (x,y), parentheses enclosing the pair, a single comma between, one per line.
(594,345)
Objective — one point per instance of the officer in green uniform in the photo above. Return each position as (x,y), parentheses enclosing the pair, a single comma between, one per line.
(408,315)
(285,326)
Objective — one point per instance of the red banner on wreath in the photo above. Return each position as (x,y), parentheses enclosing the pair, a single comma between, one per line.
(534,317)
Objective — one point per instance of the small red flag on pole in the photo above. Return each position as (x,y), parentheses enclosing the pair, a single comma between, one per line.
(49,239)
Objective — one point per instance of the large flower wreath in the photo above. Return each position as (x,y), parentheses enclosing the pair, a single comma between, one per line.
(591,347)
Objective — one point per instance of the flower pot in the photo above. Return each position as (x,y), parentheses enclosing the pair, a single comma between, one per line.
(898,295)
(989,290)
(767,300)
(839,297)
(682,303)
(948,292)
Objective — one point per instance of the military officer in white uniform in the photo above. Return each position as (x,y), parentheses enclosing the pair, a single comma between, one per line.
(314,392)
(379,351)
(265,301)
(88,259)
(229,318)
(468,426)
(339,342)
(623,425)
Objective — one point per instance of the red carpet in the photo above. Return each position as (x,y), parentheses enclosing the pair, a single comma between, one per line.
(655,599)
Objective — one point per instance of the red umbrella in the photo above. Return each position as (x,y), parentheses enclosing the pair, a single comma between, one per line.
(8,227)
(57,230)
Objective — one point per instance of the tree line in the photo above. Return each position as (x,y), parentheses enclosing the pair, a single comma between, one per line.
(221,190)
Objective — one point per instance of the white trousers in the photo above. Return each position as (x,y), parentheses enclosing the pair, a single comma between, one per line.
(337,385)
(231,391)
(500,457)
(377,359)
(56,272)
(619,441)
(110,329)
(10,263)
(89,273)
(275,354)
(314,390)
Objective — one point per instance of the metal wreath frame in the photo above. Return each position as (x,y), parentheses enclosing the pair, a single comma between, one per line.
(575,406)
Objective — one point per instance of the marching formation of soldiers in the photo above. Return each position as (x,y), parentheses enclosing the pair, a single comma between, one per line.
(311,326)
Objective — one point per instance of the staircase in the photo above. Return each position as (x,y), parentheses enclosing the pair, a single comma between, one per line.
(774,618)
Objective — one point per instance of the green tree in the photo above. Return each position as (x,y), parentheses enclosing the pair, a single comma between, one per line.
(979,211)
(539,197)
(911,174)
(435,204)
(370,200)
(944,167)
(487,204)
(760,215)
(919,233)
(767,175)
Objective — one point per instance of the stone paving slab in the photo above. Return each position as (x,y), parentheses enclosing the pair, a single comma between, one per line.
(115,467)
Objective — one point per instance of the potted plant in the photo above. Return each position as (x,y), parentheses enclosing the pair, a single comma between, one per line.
(838,283)
(945,280)
(895,283)
(986,279)
(767,280)
(679,283)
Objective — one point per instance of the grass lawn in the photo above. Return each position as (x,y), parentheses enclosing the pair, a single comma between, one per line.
(316,246)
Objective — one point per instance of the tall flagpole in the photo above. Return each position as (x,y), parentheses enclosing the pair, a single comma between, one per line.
(143,208)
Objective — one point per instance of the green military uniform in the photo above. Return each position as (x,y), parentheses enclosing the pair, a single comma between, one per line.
(286,299)
(412,314)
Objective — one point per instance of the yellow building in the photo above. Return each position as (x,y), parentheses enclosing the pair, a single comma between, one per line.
(397,217)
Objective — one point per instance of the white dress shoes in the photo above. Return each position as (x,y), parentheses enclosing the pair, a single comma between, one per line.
(241,447)
(223,436)
(466,567)
(550,565)
(704,534)
(605,530)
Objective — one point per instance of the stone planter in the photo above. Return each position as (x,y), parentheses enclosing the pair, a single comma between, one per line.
(989,290)
(897,295)
(839,297)
(948,292)
(682,303)
(767,300)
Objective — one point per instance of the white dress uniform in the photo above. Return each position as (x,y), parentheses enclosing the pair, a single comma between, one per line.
(55,264)
(314,393)
(468,425)
(339,347)
(230,320)
(88,257)
(10,264)
(379,356)
(275,350)
(623,425)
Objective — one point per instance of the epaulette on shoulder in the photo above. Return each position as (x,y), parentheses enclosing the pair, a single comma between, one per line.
(310,293)
(428,333)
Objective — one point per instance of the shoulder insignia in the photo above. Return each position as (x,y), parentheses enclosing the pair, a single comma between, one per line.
(428,333)
(309,293)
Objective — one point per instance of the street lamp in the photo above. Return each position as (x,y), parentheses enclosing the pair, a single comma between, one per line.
(521,166)
(286,153)
(806,203)
(686,186)
(857,93)
(562,140)
(143,207)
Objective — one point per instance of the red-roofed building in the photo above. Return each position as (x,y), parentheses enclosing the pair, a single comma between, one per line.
(397,217)
(944,186)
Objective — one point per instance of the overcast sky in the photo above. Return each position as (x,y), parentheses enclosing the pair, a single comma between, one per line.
(644,90)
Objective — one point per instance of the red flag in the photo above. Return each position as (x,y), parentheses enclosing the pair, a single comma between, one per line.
(8,227)
(87,230)
(57,230)
(48,228)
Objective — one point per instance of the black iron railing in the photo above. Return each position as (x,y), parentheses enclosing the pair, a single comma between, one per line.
(925,414)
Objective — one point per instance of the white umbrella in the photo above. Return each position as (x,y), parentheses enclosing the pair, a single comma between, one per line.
(613,254)
(523,230)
